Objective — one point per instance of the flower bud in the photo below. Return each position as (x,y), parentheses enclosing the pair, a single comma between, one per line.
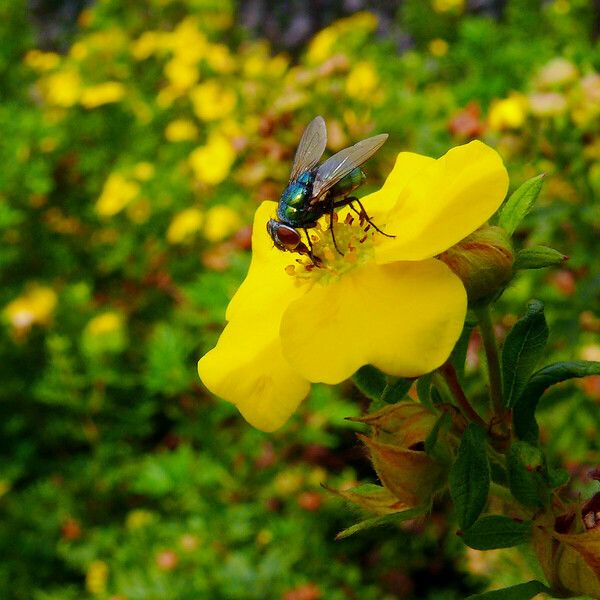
(484,263)
(397,449)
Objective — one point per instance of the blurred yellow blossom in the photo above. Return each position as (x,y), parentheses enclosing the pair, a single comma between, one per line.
(362,81)
(184,225)
(187,42)
(117,193)
(212,162)
(42,61)
(146,45)
(105,323)
(218,57)
(438,47)
(143,171)
(181,73)
(221,221)
(103,93)
(442,6)
(34,307)
(62,88)
(96,577)
(138,518)
(508,113)
(79,51)
(211,100)
(181,130)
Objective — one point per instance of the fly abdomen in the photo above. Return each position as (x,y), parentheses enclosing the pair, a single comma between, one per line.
(345,186)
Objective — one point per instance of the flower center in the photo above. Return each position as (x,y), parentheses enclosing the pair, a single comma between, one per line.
(354,239)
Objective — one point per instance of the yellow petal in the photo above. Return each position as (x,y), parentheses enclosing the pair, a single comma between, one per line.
(247,367)
(438,203)
(404,318)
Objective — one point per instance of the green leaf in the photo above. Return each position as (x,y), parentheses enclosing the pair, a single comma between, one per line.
(523,591)
(538,257)
(520,202)
(444,422)
(424,390)
(525,425)
(497,531)
(527,475)
(459,353)
(370,381)
(394,392)
(470,476)
(399,517)
(522,350)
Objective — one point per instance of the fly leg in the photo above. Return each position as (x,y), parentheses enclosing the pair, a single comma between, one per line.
(362,213)
(315,259)
(332,206)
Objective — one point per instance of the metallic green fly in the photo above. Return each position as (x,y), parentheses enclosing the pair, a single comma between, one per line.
(316,191)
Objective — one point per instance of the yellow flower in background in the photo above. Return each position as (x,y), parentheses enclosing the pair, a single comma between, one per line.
(42,61)
(78,51)
(438,47)
(146,45)
(187,42)
(387,302)
(219,58)
(117,193)
(181,74)
(442,6)
(62,88)
(35,307)
(103,93)
(181,130)
(96,577)
(221,222)
(106,323)
(212,162)
(362,81)
(184,225)
(212,101)
(508,113)
(143,171)
(104,333)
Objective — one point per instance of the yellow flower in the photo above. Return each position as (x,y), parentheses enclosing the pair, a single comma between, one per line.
(184,225)
(181,74)
(221,222)
(438,47)
(387,301)
(508,113)
(144,171)
(117,193)
(362,81)
(103,93)
(442,6)
(218,57)
(34,307)
(42,61)
(104,324)
(212,101)
(62,88)
(104,333)
(96,576)
(211,163)
(146,45)
(181,130)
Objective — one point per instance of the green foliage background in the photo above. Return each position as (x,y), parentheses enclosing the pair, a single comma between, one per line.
(121,476)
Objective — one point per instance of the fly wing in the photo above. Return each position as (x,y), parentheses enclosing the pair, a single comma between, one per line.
(311,147)
(339,165)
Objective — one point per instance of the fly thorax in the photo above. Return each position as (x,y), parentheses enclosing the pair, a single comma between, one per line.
(355,239)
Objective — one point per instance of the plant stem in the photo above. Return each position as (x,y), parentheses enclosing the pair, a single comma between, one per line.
(488,337)
(450,377)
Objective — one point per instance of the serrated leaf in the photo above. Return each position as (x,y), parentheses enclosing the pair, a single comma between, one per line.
(519,204)
(394,392)
(523,348)
(470,476)
(538,257)
(497,531)
(524,421)
(394,518)
(522,591)
(370,381)
(527,475)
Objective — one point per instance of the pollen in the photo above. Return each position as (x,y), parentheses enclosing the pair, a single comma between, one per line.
(353,238)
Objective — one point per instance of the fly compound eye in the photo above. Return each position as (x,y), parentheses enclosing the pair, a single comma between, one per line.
(288,237)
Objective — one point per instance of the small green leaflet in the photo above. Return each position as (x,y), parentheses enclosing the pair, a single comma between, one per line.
(527,475)
(522,350)
(520,202)
(470,476)
(524,411)
(398,517)
(523,591)
(370,381)
(538,257)
(497,531)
